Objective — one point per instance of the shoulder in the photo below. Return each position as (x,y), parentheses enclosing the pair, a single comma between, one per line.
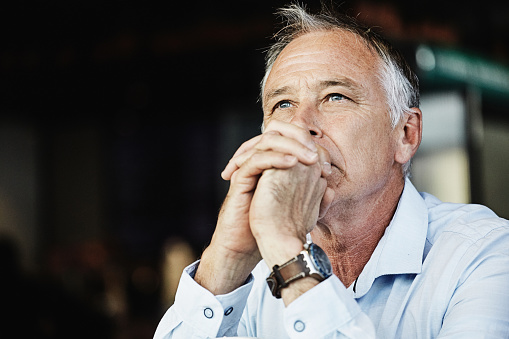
(471,223)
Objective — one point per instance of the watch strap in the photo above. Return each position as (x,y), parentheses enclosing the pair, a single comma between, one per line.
(282,275)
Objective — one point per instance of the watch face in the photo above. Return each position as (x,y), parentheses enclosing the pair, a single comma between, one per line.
(321,259)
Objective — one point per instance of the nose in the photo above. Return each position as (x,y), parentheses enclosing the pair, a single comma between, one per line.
(307,118)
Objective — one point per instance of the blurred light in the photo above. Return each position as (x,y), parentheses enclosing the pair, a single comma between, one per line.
(176,256)
(441,165)
(425,58)
(444,121)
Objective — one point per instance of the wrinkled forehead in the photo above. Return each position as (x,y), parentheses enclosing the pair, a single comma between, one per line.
(320,53)
(333,39)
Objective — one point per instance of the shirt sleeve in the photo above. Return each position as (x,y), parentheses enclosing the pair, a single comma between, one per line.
(479,307)
(305,317)
(197,313)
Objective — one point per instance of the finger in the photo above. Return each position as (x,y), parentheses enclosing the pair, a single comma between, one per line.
(324,160)
(270,141)
(276,142)
(236,162)
(326,202)
(233,165)
(275,137)
(299,133)
(262,161)
(247,145)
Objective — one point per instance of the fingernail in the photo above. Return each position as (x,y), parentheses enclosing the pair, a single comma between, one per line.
(327,167)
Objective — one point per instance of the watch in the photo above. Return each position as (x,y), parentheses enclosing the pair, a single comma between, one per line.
(311,262)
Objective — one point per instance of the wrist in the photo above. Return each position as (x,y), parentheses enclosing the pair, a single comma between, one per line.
(277,242)
(297,288)
(312,263)
(276,251)
(221,271)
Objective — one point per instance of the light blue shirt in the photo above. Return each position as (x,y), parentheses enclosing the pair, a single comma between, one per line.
(441,270)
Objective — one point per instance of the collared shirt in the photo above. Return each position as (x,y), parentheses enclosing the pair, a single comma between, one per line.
(441,270)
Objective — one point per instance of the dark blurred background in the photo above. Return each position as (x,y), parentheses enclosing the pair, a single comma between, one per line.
(117,117)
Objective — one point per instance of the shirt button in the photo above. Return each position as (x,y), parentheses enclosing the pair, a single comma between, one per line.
(228,311)
(208,313)
(299,326)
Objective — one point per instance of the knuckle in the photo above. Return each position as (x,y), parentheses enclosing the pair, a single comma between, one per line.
(266,139)
(256,156)
(272,123)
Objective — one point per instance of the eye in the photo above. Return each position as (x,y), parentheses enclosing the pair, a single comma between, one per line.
(283,104)
(336,97)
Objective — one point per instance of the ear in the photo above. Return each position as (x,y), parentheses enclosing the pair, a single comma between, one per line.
(409,135)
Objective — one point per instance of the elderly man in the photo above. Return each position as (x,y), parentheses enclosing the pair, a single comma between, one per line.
(350,249)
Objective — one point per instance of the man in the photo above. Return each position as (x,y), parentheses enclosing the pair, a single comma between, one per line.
(341,124)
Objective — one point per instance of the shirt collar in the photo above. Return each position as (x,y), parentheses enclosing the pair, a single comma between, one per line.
(400,250)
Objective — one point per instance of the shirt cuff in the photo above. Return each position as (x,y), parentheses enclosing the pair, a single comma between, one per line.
(213,315)
(304,317)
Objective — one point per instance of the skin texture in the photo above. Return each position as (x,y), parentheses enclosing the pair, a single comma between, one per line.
(328,162)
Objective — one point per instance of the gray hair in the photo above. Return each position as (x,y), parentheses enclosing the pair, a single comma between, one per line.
(400,83)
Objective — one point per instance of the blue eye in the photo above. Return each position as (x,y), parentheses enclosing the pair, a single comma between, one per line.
(336,97)
(284,104)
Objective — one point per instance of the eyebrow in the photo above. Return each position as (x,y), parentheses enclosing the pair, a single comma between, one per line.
(343,82)
(276,92)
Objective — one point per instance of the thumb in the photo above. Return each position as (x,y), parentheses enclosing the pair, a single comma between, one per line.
(327,199)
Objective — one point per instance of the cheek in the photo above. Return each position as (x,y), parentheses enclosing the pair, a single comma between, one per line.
(371,148)
(281,115)
(380,153)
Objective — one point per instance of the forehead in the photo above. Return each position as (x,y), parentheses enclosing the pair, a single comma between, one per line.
(325,54)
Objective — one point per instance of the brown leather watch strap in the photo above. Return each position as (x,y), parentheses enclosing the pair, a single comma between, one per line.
(283,275)
(294,269)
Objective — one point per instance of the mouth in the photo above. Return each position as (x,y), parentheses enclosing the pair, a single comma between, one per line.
(334,166)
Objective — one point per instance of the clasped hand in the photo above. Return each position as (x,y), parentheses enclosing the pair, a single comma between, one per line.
(280,178)
(278,190)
